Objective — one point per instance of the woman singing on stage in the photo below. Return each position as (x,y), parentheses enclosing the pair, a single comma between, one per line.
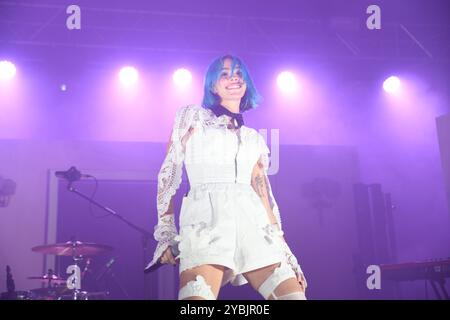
(229,225)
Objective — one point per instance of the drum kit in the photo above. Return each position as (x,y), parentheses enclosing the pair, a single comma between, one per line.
(55,287)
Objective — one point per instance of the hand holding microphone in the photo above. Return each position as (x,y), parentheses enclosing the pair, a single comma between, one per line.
(168,256)
(167,248)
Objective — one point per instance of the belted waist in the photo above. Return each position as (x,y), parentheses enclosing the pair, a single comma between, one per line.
(212,173)
(198,190)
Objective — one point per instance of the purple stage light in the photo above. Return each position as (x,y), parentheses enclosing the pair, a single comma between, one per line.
(391,84)
(182,77)
(7,70)
(287,82)
(128,76)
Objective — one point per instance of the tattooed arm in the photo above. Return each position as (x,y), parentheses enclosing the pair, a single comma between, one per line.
(261,184)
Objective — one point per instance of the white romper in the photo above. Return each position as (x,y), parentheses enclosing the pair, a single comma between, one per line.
(222,219)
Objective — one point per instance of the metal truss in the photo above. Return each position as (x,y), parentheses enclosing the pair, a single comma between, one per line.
(38,28)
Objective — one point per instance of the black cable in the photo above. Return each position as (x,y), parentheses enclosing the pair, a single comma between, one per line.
(91,211)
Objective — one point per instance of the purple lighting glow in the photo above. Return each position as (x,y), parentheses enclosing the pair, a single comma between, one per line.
(391,84)
(128,76)
(182,77)
(287,82)
(7,70)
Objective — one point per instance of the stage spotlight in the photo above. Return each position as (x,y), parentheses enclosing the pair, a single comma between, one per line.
(391,84)
(182,77)
(7,70)
(128,76)
(287,82)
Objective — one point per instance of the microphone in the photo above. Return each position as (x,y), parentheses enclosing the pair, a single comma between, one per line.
(86,268)
(106,268)
(152,267)
(73,174)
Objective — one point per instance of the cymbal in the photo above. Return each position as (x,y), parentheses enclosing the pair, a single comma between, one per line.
(50,278)
(73,248)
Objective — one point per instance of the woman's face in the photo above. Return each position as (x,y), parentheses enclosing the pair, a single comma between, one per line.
(230,87)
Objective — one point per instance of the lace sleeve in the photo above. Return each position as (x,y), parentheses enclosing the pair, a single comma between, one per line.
(169,176)
(169,180)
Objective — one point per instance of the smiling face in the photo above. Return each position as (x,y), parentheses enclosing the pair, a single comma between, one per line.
(234,91)
(230,87)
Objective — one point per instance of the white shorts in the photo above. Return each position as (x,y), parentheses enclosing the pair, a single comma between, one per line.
(223,223)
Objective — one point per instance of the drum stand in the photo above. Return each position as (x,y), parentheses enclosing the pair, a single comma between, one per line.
(145,234)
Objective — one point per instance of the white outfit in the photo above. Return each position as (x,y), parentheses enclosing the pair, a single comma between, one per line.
(222,219)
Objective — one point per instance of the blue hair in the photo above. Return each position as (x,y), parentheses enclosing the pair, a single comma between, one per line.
(251,98)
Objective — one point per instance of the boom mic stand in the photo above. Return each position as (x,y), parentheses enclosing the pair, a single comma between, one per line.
(75,175)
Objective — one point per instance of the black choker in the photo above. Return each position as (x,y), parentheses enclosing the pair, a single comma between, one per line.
(221,110)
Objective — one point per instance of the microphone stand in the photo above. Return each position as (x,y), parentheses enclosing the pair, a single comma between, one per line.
(145,234)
